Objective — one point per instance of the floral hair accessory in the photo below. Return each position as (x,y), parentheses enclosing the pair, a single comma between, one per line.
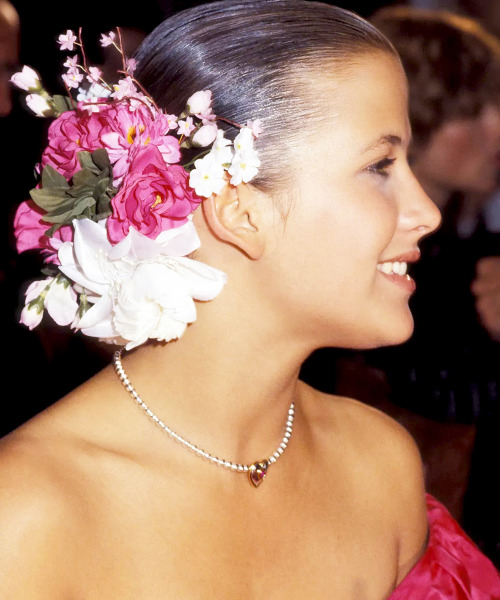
(112,211)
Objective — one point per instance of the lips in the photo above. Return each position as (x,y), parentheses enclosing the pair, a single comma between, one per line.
(395,269)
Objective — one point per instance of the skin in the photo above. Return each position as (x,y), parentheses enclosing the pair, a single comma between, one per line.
(463,155)
(98,503)
(486,289)
(9,50)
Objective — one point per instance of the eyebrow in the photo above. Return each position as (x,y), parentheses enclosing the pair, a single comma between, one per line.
(383,140)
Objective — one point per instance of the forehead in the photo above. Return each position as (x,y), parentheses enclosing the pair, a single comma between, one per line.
(366,102)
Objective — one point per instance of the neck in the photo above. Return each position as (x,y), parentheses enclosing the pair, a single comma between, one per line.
(227,393)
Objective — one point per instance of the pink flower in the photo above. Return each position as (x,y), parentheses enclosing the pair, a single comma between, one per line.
(126,130)
(72,78)
(30,230)
(71,62)
(70,133)
(67,40)
(131,64)
(125,88)
(95,74)
(107,40)
(154,197)
(186,127)
(256,127)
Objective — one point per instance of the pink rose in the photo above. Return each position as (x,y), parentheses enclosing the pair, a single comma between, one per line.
(154,197)
(30,230)
(70,133)
(126,129)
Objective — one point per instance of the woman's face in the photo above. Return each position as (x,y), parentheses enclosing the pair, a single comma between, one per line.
(463,155)
(357,214)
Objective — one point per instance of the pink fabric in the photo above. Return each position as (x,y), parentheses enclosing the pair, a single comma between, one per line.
(452,567)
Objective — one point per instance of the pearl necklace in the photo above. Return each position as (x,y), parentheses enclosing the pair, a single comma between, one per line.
(255,471)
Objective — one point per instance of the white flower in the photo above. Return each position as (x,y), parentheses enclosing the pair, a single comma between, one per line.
(200,103)
(96,90)
(53,294)
(244,167)
(207,177)
(244,140)
(91,105)
(140,288)
(39,105)
(221,149)
(33,310)
(60,302)
(205,135)
(27,79)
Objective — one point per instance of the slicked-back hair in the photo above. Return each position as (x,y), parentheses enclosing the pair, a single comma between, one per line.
(258,58)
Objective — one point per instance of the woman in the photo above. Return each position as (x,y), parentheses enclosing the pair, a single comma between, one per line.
(94,486)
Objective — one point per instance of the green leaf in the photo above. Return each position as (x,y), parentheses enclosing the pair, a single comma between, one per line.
(48,199)
(62,103)
(53,179)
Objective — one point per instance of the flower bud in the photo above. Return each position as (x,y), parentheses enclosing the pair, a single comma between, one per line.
(32,313)
(200,103)
(39,105)
(27,79)
(205,135)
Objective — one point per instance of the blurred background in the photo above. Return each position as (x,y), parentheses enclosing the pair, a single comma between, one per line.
(443,385)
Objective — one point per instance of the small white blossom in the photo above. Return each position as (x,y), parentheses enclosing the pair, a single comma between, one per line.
(207,177)
(244,167)
(244,140)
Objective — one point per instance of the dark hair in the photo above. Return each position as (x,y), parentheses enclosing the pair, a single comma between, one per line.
(257,58)
(452,65)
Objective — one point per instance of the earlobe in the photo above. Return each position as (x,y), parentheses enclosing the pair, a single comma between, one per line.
(234,216)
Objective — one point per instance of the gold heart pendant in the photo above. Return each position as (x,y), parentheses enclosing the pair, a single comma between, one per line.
(257,472)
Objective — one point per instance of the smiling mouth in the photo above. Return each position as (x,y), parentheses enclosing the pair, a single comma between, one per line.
(393,268)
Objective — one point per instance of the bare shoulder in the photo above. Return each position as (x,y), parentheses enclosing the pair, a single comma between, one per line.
(387,463)
(44,495)
(35,520)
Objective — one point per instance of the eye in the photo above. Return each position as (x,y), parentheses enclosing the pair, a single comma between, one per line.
(382,167)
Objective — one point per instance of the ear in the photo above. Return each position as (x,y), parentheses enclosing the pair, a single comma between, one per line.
(236,215)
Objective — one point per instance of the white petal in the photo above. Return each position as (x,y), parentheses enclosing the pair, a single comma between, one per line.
(204,282)
(61,303)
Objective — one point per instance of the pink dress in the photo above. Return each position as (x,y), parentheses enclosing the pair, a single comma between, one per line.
(452,567)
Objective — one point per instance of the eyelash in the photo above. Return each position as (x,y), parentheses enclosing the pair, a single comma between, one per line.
(380,167)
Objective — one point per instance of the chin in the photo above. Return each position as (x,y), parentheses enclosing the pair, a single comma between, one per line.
(393,335)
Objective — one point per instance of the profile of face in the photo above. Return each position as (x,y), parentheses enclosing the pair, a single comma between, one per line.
(357,214)
(463,155)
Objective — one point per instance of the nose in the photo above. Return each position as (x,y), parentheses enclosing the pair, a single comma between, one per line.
(420,213)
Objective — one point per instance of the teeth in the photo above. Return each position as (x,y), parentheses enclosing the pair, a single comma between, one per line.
(393,268)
